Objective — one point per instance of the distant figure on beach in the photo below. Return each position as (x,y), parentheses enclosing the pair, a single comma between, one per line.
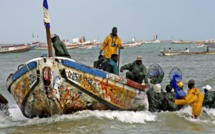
(136,71)
(3,102)
(194,98)
(59,46)
(207,50)
(187,50)
(111,43)
(112,66)
(209,97)
(98,63)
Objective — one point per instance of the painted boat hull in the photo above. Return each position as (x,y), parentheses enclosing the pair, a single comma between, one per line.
(47,86)
(186,53)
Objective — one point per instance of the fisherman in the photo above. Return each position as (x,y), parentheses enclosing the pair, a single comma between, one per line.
(59,46)
(180,92)
(98,63)
(207,50)
(3,102)
(136,71)
(112,67)
(167,103)
(155,98)
(194,98)
(187,50)
(170,50)
(111,43)
(209,97)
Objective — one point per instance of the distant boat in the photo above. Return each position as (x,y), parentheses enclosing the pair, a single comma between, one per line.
(186,53)
(180,42)
(16,48)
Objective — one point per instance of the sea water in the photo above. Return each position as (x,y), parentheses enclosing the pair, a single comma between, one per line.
(201,68)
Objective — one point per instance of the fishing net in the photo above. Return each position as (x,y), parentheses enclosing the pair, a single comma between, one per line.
(155,73)
(175,74)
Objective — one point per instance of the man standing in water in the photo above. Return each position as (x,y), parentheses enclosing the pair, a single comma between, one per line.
(194,98)
(111,43)
(59,46)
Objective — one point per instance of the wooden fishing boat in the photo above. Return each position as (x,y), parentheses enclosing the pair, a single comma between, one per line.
(16,48)
(46,86)
(186,53)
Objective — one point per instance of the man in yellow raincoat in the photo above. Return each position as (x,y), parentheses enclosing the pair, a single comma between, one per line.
(194,98)
(111,43)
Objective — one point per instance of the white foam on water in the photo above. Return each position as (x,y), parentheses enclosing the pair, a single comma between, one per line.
(15,113)
(187,114)
(123,116)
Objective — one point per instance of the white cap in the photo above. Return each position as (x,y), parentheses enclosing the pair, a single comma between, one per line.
(139,58)
(53,35)
(207,87)
(157,88)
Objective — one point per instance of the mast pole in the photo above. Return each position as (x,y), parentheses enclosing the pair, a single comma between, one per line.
(47,25)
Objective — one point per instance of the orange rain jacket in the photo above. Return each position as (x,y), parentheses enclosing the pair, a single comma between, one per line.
(110,45)
(195,99)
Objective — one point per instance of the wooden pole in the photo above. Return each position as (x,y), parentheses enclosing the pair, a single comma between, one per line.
(118,57)
(48,36)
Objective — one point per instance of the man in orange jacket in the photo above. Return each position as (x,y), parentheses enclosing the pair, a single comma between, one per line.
(111,43)
(194,98)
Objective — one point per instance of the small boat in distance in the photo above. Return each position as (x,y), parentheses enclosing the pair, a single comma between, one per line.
(16,48)
(166,53)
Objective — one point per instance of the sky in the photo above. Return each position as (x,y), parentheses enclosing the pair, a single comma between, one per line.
(94,19)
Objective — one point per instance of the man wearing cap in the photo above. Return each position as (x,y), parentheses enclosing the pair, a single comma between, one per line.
(209,98)
(194,98)
(136,71)
(59,46)
(111,43)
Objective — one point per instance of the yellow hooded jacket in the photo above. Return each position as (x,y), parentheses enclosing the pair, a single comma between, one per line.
(107,46)
(195,99)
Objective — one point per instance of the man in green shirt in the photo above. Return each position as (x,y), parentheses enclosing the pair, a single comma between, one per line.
(136,71)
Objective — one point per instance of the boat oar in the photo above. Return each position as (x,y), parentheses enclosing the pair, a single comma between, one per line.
(118,57)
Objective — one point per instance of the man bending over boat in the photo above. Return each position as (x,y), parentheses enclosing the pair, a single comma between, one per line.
(59,46)
(136,71)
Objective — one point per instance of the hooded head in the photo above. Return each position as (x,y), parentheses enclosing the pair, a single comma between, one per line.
(114,31)
(53,35)
(157,88)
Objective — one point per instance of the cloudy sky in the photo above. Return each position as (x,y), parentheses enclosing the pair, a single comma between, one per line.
(94,19)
